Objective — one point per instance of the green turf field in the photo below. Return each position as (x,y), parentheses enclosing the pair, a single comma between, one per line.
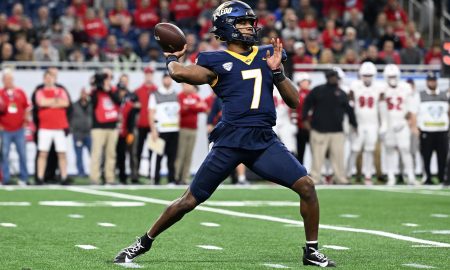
(256,228)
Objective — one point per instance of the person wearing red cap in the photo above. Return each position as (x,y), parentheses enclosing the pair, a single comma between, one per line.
(143,93)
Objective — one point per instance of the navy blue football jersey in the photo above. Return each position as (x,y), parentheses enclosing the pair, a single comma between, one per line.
(245,85)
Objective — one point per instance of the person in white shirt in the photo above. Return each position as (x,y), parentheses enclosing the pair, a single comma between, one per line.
(365,94)
(433,122)
(164,115)
(397,108)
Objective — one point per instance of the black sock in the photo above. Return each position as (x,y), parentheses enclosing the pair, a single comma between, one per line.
(146,241)
(312,244)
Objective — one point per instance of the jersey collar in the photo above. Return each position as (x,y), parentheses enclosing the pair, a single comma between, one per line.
(246,59)
(429,92)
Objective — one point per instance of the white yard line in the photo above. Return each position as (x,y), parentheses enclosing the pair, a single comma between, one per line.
(209,247)
(410,224)
(106,224)
(86,247)
(275,265)
(336,247)
(251,203)
(91,204)
(439,215)
(349,216)
(15,203)
(419,266)
(75,216)
(8,225)
(129,265)
(415,191)
(259,217)
(209,224)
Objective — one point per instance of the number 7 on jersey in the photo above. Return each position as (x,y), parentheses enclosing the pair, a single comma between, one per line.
(254,74)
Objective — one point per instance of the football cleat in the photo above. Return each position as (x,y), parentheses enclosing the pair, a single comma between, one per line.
(313,257)
(127,254)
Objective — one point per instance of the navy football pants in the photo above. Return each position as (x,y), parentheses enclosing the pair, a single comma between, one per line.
(274,163)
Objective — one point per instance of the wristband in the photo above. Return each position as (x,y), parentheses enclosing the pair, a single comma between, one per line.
(278,76)
(171,58)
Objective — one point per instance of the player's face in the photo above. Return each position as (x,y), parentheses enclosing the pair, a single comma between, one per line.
(367,80)
(392,81)
(245,27)
(432,84)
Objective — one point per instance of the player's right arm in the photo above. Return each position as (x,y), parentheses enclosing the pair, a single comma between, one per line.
(192,74)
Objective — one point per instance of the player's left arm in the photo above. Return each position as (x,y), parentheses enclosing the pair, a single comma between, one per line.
(288,91)
(413,109)
(285,86)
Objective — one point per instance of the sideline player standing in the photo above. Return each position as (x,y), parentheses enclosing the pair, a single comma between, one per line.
(399,106)
(366,94)
(243,77)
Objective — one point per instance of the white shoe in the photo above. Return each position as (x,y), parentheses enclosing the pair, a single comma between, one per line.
(243,182)
(21,183)
(391,182)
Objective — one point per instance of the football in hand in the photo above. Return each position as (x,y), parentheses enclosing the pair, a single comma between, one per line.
(170,37)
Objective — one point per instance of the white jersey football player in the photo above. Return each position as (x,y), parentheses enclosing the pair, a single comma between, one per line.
(285,127)
(365,94)
(399,106)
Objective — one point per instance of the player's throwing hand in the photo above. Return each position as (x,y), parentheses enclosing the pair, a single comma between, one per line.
(177,54)
(274,61)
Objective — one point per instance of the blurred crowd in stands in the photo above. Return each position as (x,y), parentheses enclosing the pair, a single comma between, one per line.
(313,31)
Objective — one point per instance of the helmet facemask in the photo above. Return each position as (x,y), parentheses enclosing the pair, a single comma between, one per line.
(250,39)
(392,81)
(367,79)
